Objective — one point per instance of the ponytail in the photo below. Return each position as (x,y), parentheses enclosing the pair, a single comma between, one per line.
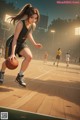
(22,12)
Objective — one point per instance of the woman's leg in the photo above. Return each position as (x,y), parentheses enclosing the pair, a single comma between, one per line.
(57,62)
(3,67)
(26,53)
(2,72)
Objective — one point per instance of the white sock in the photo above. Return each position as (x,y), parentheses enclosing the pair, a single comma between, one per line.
(21,73)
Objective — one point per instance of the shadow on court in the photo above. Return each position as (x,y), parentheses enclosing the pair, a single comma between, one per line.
(69,91)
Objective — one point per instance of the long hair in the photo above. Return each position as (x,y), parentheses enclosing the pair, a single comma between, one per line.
(27,10)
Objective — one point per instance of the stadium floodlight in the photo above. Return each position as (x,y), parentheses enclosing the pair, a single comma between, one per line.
(7,18)
(5,26)
(77,31)
(52,31)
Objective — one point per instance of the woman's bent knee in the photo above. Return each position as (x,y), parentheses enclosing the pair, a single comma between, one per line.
(29,57)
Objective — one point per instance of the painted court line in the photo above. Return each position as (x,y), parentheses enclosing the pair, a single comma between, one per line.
(43,74)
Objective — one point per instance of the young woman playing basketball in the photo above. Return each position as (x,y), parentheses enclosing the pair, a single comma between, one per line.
(16,44)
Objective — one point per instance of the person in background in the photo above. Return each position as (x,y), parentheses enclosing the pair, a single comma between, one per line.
(67,59)
(45,57)
(58,55)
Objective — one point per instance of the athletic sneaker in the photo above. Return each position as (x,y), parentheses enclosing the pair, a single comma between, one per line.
(1,77)
(19,79)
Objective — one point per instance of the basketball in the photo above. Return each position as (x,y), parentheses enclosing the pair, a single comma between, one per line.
(11,64)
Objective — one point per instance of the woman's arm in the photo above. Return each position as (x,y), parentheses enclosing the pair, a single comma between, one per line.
(16,35)
(30,37)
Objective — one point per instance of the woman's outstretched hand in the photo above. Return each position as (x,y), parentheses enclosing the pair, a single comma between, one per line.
(38,45)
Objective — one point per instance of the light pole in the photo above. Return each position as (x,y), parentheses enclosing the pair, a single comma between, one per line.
(53,31)
(77,35)
(4,25)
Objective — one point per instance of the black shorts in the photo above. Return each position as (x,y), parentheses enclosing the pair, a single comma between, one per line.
(58,57)
(8,48)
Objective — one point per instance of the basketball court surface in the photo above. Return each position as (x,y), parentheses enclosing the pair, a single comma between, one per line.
(51,92)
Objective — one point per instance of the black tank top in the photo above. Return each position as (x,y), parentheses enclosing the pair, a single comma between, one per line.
(22,36)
